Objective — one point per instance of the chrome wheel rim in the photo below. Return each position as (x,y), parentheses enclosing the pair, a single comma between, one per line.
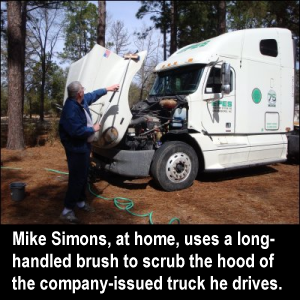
(178,167)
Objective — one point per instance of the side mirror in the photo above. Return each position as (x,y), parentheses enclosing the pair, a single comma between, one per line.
(225,78)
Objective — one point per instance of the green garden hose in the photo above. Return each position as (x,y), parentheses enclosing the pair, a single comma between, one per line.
(120,202)
(59,172)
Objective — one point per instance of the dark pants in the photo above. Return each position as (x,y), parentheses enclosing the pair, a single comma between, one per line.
(78,164)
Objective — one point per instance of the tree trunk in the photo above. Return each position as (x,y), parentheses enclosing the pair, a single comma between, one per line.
(85,42)
(23,28)
(165,33)
(173,46)
(222,17)
(30,108)
(101,23)
(165,44)
(15,138)
(43,83)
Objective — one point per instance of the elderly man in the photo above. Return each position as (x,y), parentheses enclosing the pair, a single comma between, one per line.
(75,129)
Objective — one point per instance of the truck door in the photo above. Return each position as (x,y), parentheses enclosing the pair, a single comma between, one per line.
(218,116)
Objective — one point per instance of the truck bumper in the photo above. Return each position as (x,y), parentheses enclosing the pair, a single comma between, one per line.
(124,162)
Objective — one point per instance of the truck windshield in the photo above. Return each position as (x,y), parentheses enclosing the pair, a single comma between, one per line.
(179,81)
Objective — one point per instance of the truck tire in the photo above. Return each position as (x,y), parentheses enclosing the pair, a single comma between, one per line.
(175,166)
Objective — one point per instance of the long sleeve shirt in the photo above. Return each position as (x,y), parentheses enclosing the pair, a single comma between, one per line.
(73,129)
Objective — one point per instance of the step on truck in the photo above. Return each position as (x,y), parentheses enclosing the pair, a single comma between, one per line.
(220,104)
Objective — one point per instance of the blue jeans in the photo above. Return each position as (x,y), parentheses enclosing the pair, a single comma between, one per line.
(78,164)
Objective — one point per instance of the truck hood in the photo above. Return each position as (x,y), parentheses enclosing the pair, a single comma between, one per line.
(101,68)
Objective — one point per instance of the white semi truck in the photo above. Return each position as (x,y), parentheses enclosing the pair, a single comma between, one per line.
(224,103)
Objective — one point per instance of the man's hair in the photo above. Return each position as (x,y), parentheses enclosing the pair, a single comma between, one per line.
(73,89)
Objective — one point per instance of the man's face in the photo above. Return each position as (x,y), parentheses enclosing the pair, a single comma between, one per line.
(80,94)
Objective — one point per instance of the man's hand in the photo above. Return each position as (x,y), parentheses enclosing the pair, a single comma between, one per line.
(96,127)
(113,88)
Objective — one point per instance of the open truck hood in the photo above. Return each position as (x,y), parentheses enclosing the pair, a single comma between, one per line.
(101,68)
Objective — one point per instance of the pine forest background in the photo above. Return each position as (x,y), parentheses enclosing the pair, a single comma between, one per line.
(32,76)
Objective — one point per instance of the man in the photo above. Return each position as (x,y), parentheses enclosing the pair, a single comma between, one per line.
(75,131)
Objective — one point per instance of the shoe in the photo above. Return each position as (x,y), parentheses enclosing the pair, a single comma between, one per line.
(87,208)
(69,217)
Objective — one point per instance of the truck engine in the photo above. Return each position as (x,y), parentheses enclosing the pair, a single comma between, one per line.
(153,118)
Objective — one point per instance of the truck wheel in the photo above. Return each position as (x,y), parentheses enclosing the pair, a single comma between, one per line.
(174,166)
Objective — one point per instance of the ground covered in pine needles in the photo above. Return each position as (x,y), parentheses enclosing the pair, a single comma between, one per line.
(261,195)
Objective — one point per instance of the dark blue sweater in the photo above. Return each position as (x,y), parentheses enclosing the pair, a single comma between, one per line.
(73,128)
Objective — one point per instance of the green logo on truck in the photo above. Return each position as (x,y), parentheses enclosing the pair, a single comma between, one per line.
(256,95)
(272,98)
(194,46)
(222,106)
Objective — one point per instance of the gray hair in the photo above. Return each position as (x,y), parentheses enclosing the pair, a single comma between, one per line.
(73,89)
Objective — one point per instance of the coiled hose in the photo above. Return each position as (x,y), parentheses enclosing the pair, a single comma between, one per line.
(120,202)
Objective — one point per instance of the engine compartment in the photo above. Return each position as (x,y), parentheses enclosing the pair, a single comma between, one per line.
(152,119)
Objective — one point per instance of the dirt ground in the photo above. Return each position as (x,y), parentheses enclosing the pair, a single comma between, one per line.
(261,195)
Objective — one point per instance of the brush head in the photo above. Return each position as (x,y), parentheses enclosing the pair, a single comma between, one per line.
(131,56)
